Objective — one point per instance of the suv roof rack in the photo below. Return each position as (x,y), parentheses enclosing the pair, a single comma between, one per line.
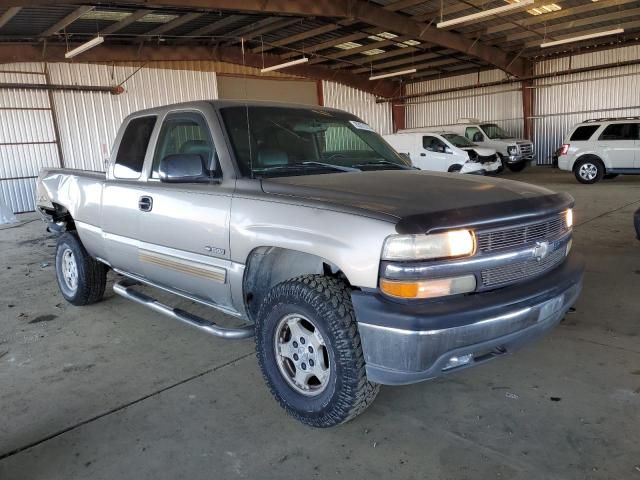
(609,119)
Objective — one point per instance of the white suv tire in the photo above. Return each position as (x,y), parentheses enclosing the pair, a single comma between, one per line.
(589,169)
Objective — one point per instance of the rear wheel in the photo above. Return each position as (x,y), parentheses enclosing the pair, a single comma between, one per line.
(81,278)
(589,170)
(309,351)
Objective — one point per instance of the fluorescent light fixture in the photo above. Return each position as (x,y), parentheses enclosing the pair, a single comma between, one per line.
(84,47)
(411,43)
(582,37)
(484,13)
(373,51)
(387,35)
(348,45)
(392,74)
(285,65)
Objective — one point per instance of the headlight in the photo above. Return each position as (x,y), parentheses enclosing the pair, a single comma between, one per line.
(569,217)
(438,287)
(456,243)
(512,150)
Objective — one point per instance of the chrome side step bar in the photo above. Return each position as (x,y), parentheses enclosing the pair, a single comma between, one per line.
(124,288)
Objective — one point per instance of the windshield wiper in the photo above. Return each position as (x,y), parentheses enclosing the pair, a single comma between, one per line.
(304,166)
(385,162)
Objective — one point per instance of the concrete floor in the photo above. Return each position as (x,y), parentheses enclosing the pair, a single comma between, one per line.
(114,391)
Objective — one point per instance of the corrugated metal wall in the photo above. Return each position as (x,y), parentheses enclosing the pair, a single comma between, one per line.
(27,137)
(501,104)
(88,121)
(361,104)
(562,102)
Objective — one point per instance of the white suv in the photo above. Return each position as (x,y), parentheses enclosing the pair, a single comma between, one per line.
(602,148)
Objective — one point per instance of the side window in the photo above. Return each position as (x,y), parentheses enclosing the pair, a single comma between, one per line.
(474,134)
(620,131)
(133,147)
(433,144)
(583,133)
(186,133)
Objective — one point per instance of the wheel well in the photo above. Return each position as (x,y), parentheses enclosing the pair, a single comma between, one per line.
(455,167)
(591,157)
(268,266)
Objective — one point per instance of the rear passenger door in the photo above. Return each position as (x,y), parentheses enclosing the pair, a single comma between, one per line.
(184,235)
(617,143)
(121,194)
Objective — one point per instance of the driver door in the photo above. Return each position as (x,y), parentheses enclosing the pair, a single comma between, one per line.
(433,155)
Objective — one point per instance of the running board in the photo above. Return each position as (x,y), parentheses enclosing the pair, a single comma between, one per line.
(124,288)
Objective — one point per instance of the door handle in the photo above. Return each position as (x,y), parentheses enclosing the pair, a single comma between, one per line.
(423,154)
(145,203)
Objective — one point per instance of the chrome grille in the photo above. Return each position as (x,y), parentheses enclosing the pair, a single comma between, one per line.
(514,272)
(548,229)
(526,148)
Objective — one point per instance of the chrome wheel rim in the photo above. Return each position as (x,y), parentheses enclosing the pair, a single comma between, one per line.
(69,270)
(302,355)
(588,171)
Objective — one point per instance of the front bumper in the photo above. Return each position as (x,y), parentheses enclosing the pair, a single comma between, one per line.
(408,342)
(519,158)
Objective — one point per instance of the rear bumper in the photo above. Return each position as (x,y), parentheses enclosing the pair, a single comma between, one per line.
(408,343)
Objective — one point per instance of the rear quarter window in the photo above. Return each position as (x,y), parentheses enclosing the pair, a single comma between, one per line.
(133,148)
(583,133)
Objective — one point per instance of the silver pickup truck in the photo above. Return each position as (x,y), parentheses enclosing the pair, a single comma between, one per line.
(350,268)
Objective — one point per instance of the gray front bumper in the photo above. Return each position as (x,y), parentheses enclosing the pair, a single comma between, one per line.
(415,343)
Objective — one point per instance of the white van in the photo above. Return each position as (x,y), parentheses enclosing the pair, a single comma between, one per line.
(444,152)
(515,153)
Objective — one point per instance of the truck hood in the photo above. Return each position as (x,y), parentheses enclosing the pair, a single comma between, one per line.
(482,151)
(422,201)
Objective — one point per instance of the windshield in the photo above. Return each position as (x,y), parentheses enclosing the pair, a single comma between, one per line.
(278,141)
(494,132)
(458,140)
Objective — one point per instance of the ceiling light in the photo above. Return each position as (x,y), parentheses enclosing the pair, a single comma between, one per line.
(387,35)
(84,47)
(285,65)
(582,37)
(541,10)
(484,13)
(158,18)
(105,15)
(411,43)
(392,74)
(348,45)
(376,38)
(373,51)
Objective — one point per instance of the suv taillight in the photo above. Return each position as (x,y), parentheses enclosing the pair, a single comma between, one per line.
(564,149)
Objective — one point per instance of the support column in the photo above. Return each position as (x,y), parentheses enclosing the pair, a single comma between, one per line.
(527,108)
(398,112)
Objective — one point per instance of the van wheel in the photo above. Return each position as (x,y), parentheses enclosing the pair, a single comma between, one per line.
(309,351)
(589,170)
(454,168)
(81,278)
(517,167)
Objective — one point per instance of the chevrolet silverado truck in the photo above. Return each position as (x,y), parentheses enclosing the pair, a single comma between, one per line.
(349,267)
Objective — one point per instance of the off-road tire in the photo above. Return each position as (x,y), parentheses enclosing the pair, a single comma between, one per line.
(326,302)
(91,274)
(586,161)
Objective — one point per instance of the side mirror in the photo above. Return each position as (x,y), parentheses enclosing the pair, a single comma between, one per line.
(182,168)
(478,137)
(447,150)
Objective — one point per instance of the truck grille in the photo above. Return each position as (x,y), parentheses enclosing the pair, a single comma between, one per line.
(526,149)
(514,272)
(548,229)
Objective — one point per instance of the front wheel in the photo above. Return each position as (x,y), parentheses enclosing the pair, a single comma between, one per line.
(455,168)
(309,351)
(81,278)
(517,167)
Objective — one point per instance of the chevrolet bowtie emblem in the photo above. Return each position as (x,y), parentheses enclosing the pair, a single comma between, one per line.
(541,250)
